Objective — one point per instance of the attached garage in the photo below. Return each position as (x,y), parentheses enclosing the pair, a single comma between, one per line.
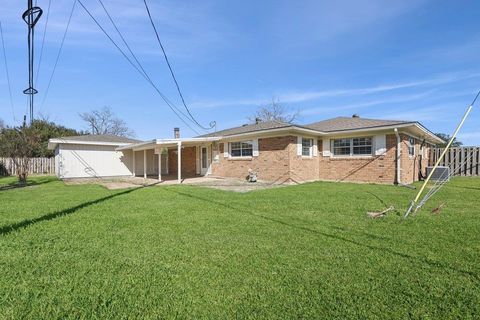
(92,156)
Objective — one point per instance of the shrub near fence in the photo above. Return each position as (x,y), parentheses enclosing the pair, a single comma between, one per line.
(462,161)
(36,166)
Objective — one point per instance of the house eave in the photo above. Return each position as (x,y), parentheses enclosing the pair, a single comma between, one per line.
(427,133)
(151,144)
(53,143)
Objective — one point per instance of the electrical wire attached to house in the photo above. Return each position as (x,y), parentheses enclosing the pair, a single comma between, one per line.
(213,123)
(139,68)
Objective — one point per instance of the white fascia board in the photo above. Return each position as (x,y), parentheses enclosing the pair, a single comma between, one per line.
(165,142)
(186,140)
(52,143)
(288,130)
(136,146)
(430,133)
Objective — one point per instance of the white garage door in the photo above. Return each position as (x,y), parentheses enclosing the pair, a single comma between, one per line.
(88,161)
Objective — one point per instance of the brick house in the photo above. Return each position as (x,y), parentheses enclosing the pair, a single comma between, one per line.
(339,149)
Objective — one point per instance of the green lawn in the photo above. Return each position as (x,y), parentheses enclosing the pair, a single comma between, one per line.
(307,251)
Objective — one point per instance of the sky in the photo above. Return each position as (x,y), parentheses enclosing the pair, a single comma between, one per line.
(386,59)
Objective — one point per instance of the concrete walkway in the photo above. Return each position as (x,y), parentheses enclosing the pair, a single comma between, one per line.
(227,184)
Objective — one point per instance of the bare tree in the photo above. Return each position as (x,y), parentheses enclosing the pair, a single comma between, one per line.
(20,143)
(2,124)
(104,121)
(274,111)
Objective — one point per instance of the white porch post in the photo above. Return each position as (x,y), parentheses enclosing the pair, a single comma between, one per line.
(133,173)
(160,166)
(179,161)
(145,164)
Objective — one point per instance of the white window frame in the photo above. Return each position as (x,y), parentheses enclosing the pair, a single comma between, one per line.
(351,146)
(411,147)
(241,156)
(310,147)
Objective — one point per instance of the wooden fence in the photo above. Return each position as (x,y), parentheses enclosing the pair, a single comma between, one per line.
(36,166)
(463,161)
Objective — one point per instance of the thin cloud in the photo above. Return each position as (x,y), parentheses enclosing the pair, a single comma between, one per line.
(354,106)
(299,96)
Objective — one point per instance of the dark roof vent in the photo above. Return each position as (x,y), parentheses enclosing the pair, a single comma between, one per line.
(355,115)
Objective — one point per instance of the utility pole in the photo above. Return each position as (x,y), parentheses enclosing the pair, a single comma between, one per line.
(31,16)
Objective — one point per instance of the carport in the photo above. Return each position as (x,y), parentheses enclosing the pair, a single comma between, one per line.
(188,157)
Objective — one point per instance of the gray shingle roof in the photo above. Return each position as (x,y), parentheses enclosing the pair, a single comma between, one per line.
(100,138)
(262,125)
(351,123)
(329,125)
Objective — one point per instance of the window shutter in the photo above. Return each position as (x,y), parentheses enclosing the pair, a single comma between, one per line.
(299,146)
(315,148)
(380,144)
(255,147)
(326,147)
(226,146)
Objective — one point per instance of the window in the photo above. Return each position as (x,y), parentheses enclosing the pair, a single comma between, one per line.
(307,145)
(362,146)
(341,147)
(241,149)
(353,147)
(411,147)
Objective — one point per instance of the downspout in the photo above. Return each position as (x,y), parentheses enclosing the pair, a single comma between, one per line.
(399,167)
(398,182)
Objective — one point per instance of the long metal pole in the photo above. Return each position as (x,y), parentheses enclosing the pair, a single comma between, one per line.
(415,200)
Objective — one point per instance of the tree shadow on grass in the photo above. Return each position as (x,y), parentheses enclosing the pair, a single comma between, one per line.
(57,214)
(30,183)
(468,188)
(430,262)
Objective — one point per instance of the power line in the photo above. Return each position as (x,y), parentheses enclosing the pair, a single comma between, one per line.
(59,52)
(143,71)
(175,110)
(43,39)
(8,75)
(212,125)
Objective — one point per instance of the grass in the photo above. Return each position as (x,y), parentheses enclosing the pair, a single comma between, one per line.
(307,251)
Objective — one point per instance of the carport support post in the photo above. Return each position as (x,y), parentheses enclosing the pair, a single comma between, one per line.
(133,173)
(145,164)
(179,162)
(160,165)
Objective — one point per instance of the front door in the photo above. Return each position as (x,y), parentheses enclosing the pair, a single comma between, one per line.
(203,161)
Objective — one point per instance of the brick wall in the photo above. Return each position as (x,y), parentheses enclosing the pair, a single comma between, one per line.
(376,169)
(278,162)
(411,164)
(189,164)
(303,168)
(272,163)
